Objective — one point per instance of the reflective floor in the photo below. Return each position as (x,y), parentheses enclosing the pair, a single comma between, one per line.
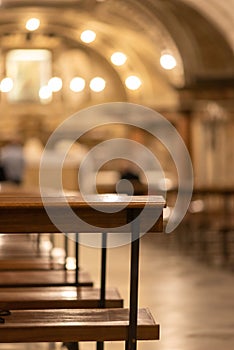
(193,303)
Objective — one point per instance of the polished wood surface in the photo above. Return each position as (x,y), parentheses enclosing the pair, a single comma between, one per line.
(28,214)
(67,325)
(17,212)
(101,201)
(43,278)
(20,249)
(64,297)
(31,264)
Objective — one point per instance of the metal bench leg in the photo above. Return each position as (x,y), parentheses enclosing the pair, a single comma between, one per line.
(71,346)
(77,258)
(131,343)
(102,302)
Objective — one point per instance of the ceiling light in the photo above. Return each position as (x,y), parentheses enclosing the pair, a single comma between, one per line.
(133,82)
(6,85)
(32,24)
(97,84)
(118,58)
(45,93)
(88,36)
(168,61)
(55,84)
(77,84)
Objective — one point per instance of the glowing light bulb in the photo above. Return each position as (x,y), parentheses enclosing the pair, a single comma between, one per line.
(45,93)
(55,84)
(97,84)
(118,58)
(77,84)
(6,85)
(88,36)
(32,24)
(168,61)
(133,82)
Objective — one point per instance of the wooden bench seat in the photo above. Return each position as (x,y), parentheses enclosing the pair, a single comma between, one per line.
(57,298)
(43,278)
(30,264)
(20,246)
(75,325)
(17,249)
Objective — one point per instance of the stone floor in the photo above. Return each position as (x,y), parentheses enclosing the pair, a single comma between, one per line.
(193,303)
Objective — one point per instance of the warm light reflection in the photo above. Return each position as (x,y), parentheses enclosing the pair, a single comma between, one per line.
(32,24)
(77,84)
(133,82)
(45,245)
(97,84)
(109,197)
(166,213)
(69,294)
(118,58)
(58,253)
(70,263)
(2,236)
(6,85)
(55,84)
(168,61)
(196,206)
(165,184)
(88,36)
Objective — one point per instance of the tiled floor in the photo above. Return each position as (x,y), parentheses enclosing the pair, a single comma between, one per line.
(193,303)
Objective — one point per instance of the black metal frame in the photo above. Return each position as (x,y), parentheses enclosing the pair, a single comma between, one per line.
(131,343)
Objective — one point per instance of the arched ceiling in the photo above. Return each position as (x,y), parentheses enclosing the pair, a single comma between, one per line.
(197,32)
(221,13)
(204,49)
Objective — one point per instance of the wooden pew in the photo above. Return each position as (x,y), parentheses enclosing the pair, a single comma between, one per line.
(21,252)
(76,325)
(39,278)
(65,297)
(30,271)
(22,264)
(24,252)
(35,259)
(209,225)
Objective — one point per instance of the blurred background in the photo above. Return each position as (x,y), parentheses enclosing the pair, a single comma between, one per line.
(176,57)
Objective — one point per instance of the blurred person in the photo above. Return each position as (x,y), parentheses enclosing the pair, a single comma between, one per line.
(12,160)
(131,170)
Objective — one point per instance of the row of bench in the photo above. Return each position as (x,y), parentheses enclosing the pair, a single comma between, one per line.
(207,231)
(56,305)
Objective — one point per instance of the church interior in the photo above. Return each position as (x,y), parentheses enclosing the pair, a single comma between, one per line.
(76,76)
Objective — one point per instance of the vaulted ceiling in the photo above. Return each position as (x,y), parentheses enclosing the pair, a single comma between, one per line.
(198,33)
